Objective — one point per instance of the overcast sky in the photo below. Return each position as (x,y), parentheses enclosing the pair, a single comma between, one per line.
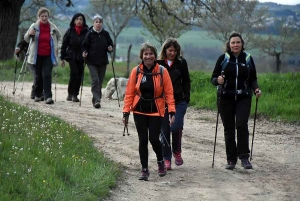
(285,2)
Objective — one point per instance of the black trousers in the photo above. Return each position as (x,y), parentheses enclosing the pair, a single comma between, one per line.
(76,72)
(148,127)
(235,114)
(43,76)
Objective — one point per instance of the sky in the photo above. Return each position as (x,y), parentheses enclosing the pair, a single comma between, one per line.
(285,2)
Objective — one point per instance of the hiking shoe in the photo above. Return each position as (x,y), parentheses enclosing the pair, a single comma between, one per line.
(162,170)
(42,98)
(144,174)
(69,97)
(178,159)
(97,105)
(75,99)
(230,165)
(32,94)
(168,164)
(246,163)
(37,99)
(49,101)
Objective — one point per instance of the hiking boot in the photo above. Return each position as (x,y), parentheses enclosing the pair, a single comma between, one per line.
(168,164)
(97,105)
(178,159)
(246,163)
(69,97)
(37,99)
(49,101)
(144,174)
(42,98)
(162,171)
(75,99)
(230,165)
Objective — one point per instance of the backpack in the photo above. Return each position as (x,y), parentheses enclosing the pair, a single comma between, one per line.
(224,64)
(227,59)
(161,72)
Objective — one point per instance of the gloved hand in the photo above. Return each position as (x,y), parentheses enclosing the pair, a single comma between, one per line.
(125,118)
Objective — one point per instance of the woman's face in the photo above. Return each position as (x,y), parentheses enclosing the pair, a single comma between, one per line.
(235,44)
(44,17)
(171,53)
(78,21)
(97,24)
(148,57)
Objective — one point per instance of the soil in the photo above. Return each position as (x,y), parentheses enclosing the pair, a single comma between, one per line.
(276,153)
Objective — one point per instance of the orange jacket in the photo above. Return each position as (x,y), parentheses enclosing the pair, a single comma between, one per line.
(133,86)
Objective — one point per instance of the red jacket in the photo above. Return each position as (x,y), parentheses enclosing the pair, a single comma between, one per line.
(133,86)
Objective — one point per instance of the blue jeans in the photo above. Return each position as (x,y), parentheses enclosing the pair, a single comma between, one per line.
(176,130)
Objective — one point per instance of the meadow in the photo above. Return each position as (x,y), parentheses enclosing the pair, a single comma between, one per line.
(44,158)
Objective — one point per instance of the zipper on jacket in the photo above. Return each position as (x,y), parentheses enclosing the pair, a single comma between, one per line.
(237,73)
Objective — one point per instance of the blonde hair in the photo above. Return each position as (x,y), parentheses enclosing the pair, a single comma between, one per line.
(42,10)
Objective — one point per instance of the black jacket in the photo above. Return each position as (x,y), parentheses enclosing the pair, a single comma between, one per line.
(237,76)
(23,45)
(71,48)
(180,77)
(96,44)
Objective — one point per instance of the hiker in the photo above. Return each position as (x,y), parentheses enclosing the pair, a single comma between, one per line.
(148,89)
(96,45)
(43,53)
(235,74)
(23,46)
(177,67)
(71,51)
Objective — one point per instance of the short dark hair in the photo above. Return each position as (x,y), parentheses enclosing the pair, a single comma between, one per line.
(234,34)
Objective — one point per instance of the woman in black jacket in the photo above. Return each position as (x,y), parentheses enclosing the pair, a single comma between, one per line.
(71,51)
(177,67)
(235,76)
(96,45)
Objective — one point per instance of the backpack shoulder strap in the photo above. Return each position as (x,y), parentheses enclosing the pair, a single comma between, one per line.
(137,73)
(248,63)
(225,61)
(161,72)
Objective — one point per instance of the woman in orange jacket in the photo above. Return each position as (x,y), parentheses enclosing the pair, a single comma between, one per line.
(148,90)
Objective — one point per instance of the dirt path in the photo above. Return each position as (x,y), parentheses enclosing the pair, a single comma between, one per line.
(276,154)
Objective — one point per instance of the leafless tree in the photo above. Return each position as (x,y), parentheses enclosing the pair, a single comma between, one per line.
(276,45)
(162,26)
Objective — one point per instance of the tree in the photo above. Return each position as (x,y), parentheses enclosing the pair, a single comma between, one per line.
(234,15)
(276,45)
(163,26)
(116,15)
(10,11)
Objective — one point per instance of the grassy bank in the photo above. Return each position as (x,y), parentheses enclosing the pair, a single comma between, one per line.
(44,158)
(279,101)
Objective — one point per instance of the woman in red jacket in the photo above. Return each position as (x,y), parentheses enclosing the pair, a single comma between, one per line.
(148,89)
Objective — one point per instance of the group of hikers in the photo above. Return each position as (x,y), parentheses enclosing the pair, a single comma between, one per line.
(158,89)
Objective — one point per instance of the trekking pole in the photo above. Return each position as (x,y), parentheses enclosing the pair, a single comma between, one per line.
(15,75)
(218,112)
(82,77)
(125,127)
(253,127)
(23,65)
(116,88)
(163,136)
(213,162)
(55,80)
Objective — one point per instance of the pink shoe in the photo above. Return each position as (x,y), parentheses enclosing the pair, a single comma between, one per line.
(168,164)
(162,171)
(178,159)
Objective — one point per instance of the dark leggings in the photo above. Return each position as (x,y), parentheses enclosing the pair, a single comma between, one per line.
(76,72)
(148,126)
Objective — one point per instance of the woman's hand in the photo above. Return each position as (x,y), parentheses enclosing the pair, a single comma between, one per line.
(63,63)
(257,93)
(220,80)
(171,119)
